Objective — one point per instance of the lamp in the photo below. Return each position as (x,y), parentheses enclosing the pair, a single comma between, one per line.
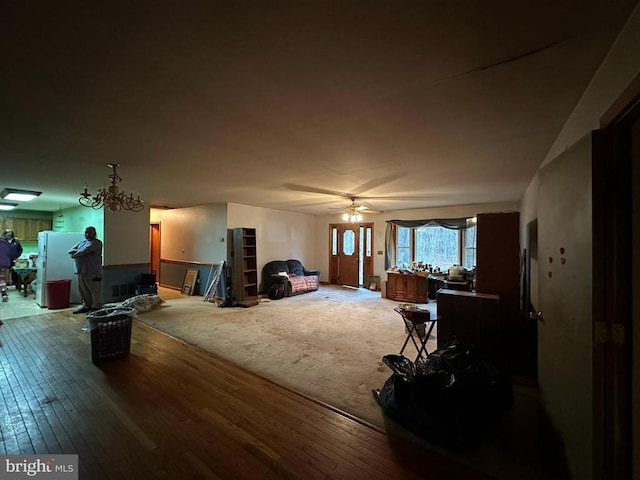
(112,198)
(19,195)
(7,206)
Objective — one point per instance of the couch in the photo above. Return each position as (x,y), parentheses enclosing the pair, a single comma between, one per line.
(292,274)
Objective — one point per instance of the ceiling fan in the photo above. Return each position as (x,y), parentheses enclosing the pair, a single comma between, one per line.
(353,208)
(353,212)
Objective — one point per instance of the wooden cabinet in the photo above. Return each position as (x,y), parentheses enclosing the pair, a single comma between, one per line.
(35,226)
(407,288)
(498,255)
(19,226)
(498,262)
(25,229)
(497,273)
(474,318)
(245,264)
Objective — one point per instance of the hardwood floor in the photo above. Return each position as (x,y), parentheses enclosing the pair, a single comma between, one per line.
(170,410)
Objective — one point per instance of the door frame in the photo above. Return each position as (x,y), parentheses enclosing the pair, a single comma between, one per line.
(152,252)
(612,308)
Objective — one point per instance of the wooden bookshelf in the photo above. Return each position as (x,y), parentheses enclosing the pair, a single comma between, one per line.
(245,264)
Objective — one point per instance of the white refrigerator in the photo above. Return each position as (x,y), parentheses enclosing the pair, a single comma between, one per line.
(54,263)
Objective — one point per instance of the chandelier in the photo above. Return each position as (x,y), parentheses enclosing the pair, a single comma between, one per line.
(112,198)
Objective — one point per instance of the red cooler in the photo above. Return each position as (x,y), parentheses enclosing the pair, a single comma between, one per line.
(58,293)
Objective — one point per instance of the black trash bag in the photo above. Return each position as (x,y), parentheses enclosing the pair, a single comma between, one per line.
(452,399)
(401,366)
(276,292)
(475,375)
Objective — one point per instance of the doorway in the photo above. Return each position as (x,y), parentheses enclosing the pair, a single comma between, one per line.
(350,254)
(154,249)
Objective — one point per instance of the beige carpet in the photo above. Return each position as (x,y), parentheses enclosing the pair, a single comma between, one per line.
(329,345)
(326,344)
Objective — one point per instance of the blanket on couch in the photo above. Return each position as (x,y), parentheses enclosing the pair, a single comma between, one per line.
(301,283)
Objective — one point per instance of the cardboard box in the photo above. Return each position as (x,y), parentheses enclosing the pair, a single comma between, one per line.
(383,288)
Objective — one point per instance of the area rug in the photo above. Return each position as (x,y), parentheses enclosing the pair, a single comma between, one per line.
(326,344)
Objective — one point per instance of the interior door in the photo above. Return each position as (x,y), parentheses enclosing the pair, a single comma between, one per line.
(565,289)
(154,249)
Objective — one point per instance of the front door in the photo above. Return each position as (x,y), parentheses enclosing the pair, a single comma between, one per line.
(351,260)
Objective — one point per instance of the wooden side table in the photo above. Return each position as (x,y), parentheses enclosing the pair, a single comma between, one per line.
(413,317)
(27,275)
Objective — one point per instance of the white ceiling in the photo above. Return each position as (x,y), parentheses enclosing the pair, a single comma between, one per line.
(292,105)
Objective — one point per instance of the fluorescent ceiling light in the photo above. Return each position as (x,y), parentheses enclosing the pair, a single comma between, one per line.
(7,206)
(19,195)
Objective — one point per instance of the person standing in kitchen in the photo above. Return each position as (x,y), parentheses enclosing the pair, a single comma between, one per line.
(16,248)
(87,256)
(6,258)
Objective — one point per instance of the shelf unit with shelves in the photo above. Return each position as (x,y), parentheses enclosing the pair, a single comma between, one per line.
(245,264)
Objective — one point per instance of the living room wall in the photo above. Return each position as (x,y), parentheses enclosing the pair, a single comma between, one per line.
(199,234)
(193,234)
(380,225)
(280,234)
(191,237)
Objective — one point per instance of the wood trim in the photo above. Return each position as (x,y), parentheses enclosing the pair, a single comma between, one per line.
(612,280)
(598,303)
(628,97)
(333,259)
(125,265)
(367,262)
(188,262)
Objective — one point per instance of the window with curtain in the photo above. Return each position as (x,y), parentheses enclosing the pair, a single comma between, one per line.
(440,243)
(437,246)
(469,253)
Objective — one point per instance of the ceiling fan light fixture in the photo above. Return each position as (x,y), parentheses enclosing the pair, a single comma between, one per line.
(352,216)
(354,212)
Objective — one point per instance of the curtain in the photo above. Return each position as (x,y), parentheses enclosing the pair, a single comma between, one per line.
(390,246)
(392,227)
(453,223)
